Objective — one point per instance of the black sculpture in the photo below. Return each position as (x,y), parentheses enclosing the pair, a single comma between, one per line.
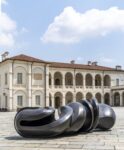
(82,116)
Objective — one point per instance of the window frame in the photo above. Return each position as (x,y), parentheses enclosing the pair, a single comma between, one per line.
(38,100)
(19,78)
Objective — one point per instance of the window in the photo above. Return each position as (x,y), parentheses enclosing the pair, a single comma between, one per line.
(37,98)
(117,82)
(6,77)
(19,78)
(20,100)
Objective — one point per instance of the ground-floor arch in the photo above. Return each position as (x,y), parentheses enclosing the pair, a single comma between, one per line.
(69,97)
(98,97)
(79,96)
(58,99)
(89,96)
(50,99)
(107,98)
(123,99)
(117,99)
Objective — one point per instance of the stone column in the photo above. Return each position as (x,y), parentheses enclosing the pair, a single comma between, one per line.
(121,99)
(47,85)
(84,81)
(10,89)
(64,100)
(74,82)
(52,99)
(29,84)
(93,77)
(102,98)
(74,97)
(63,80)
(52,80)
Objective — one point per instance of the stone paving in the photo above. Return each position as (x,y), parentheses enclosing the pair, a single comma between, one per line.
(110,140)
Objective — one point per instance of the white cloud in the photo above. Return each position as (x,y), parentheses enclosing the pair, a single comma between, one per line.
(7,29)
(71,26)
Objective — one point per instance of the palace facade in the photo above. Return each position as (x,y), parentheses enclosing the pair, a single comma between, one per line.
(27,81)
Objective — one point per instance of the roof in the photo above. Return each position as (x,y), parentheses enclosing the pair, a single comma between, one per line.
(82,66)
(23,57)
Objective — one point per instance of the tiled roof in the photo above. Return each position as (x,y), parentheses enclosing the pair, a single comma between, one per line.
(82,66)
(23,57)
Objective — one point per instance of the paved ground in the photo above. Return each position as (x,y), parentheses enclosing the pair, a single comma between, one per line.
(111,140)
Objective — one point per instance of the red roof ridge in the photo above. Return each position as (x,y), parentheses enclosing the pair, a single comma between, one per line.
(27,58)
(23,57)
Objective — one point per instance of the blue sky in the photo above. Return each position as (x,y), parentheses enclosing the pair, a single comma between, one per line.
(84,30)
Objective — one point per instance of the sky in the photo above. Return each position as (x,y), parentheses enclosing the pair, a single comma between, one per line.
(64,30)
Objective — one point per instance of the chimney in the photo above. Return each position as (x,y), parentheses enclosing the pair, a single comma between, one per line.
(118,67)
(95,63)
(72,61)
(5,55)
(89,63)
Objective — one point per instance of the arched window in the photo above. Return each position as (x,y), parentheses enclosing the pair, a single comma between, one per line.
(107,80)
(97,80)
(68,79)
(58,78)
(79,79)
(89,80)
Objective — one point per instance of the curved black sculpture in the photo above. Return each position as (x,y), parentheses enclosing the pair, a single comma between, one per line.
(82,116)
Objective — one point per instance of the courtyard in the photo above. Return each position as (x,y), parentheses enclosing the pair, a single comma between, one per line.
(99,140)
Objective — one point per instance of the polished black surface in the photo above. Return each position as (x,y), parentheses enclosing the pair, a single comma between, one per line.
(82,116)
(78,117)
(107,117)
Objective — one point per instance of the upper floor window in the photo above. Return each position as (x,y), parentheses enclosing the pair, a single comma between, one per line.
(20,100)
(6,78)
(117,82)
(37,98)
(19,78)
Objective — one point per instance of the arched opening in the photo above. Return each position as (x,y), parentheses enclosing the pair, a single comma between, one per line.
(98,97)
(57,78)
(97,80)
(50,79)
(123,99)
(50,100)
(89,80)
(79,79)
(117,99)
(89,96)
(107,98)
(69,97)
(79,96)
(58,99)
(68,79)
(107,80)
